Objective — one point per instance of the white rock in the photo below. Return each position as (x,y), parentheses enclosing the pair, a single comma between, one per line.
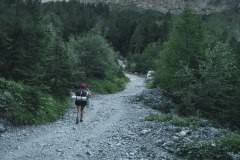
(145,131)
(2,129)
(175,138)
(150,75)
(182,133)
(159,142)
(131,154)
(118,144)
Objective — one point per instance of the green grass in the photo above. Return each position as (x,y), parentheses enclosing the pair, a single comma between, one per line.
(108,85)
(149,84)
(22,104)
(221,149)
(175,120)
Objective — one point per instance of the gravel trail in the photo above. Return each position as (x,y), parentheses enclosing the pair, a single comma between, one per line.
(112,129)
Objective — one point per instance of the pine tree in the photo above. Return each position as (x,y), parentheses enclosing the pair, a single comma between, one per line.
(184,48)
(137,40)
(25,43)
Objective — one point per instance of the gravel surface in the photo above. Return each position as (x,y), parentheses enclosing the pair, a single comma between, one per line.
(112,129)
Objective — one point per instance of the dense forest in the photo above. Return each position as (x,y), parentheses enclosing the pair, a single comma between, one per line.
(47,49)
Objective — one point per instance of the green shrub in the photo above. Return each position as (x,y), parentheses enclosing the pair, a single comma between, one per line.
(200,150)
(235,156)
(145,61)
(166,107)
(175,120)
(232,143)
(108,85)
(22,104)
(222,149)
(216,93)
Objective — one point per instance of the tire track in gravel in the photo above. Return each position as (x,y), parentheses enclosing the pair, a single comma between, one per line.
(106,121)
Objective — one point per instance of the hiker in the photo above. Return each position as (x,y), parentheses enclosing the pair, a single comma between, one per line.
(82,95)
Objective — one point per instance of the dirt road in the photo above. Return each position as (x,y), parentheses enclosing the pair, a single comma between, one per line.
(112,129)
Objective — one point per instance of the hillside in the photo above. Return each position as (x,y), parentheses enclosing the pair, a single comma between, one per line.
(177,6)
(225,23)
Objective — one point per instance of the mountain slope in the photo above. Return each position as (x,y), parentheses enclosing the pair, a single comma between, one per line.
(176,6)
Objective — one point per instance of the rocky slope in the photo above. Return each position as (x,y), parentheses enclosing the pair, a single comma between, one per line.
(177,6)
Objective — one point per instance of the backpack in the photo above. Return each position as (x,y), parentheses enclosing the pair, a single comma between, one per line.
(81,95)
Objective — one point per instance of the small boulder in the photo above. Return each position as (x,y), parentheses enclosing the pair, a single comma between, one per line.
(159,142)
(182,133)
(175,138)
(145,131)
(213,130)
(2,129)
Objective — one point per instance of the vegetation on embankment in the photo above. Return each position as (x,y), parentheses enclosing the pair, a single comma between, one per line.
(225,146)
(201,71)
(41,62)
(198,65)
(23,104)
(54,46)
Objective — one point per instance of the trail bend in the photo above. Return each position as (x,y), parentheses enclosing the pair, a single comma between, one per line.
(111,130)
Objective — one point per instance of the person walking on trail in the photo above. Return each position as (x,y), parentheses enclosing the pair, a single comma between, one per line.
(82,95)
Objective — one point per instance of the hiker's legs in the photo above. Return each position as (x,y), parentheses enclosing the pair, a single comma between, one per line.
(81,114)
(78,111)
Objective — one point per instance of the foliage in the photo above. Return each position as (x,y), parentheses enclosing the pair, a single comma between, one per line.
(216,92)
(23,36)
(50,47)
(200,71)
(98,58)
(22,104)
(43,62)
(108,85)
(235,156)
(33,51)
(175,120)
(224,25)
(216,150)
(147,60)
(122,23)
(184,48)
(58,64)
(94,61)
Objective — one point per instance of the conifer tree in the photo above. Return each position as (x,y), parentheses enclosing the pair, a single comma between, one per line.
(184,48)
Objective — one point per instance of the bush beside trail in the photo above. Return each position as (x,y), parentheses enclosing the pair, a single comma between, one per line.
(108,85)
(22,104)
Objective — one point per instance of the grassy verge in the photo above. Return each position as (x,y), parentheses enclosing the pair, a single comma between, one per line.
(108,85)
(22,104)
(227,148)
(192,122)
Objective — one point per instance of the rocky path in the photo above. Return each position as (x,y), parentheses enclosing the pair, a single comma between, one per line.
(112,129)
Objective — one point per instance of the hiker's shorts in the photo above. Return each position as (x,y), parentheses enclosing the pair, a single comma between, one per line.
(80,103)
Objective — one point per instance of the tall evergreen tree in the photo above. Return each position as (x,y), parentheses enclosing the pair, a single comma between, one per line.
(137,40)
(25,43)
(184,48)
